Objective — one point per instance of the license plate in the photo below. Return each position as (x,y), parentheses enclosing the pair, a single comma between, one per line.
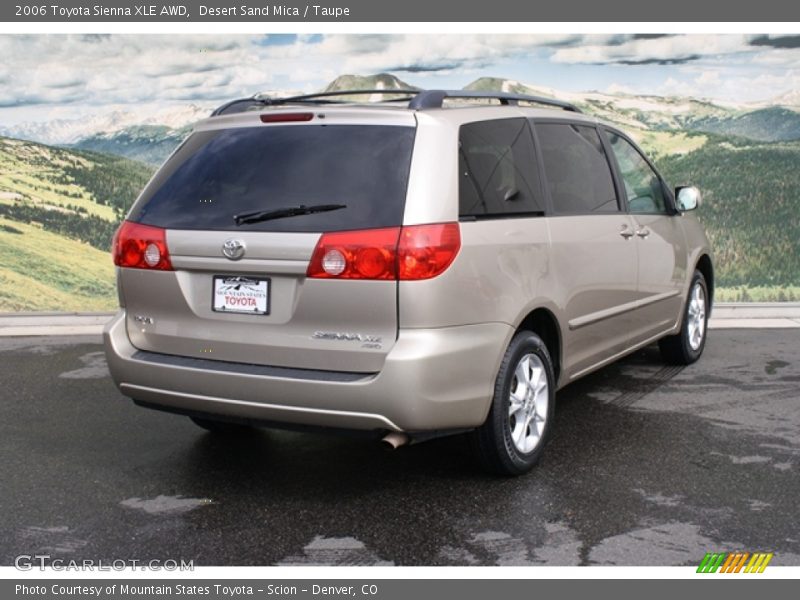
(244,295)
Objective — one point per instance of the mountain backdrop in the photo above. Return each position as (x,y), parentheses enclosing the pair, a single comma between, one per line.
(59,209)
(65,185)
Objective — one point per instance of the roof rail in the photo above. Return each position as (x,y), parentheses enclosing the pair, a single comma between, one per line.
(419,99)
(238,105)
(243,104)
(335,93)
(435,99)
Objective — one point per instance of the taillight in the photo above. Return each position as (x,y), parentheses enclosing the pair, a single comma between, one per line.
(139,246)
(406,253)
(425,251)
(367,254)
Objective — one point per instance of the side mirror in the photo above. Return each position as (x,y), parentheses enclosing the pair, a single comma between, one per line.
(687,198)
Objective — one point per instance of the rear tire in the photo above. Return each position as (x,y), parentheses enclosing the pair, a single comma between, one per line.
(514,435)
(686,346)
(220,427)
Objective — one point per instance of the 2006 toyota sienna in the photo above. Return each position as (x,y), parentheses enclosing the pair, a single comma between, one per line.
(436,262)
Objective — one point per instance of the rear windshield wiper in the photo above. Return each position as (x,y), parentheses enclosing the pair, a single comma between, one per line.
(280,213)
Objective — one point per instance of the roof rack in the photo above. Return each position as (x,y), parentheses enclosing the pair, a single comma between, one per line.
(435,99)
(243,104)
(417,99)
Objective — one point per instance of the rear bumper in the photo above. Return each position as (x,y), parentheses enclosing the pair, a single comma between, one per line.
(433,379)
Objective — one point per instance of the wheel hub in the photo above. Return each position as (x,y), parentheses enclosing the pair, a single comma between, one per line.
(529,399)
(696,317)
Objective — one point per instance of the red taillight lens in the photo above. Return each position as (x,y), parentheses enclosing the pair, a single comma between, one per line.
(425,251)
(367,254)
(141,247)
(286,117)
(407,253)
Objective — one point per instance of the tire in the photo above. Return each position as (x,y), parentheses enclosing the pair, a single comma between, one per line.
(220,427)
(508,443)
(686,346)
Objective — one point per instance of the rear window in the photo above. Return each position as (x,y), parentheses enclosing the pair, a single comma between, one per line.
(217,174)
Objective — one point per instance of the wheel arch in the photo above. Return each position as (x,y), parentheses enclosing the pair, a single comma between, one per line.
(543,323)
(706,267)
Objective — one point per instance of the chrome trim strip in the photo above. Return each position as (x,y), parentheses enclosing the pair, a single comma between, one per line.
(243,265)
(608,313)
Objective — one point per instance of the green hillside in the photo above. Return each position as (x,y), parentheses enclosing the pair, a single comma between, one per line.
(750,210)
(58,212)
(751,197)
(765,125)
(745,164)
(59,207)
(40,270)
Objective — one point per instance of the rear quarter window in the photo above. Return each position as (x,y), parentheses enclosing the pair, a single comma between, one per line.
(497,170)
(218,174)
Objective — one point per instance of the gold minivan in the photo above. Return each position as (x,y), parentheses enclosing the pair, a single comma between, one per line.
(434,263)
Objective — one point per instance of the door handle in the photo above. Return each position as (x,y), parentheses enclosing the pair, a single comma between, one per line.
(626,233)
(643,233)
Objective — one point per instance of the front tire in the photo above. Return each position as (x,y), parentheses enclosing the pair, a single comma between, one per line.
(513,437)
(687,345)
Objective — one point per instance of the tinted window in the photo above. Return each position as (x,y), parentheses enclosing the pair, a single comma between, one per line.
(217,174)
(497,169)
(643,188)
(576,167)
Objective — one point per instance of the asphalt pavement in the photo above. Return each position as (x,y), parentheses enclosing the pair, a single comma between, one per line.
(648,465)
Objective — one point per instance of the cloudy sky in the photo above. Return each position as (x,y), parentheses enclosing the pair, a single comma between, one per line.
(43,77)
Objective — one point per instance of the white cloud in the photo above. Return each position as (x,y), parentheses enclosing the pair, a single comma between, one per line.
(60,68)
(708,78)
(673,87)
(616,88)
(731,85)
(56,69)
(777,57)
(86,71)
(371,53)
(669,49)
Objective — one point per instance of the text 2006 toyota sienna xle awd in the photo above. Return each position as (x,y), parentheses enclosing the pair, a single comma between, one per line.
(403,268)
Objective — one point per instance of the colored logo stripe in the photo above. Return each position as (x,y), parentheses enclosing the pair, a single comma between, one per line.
(758,563)
(733,562)
(711,562)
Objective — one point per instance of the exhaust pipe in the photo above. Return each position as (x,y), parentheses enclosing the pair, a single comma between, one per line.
(393,440)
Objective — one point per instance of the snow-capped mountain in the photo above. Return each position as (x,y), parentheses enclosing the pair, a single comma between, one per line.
(381,81)
(71,131)
(150,144)
(148,133)
(789,100)
(645,111)
(778,120)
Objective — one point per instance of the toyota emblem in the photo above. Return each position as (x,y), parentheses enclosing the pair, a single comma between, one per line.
(233,249)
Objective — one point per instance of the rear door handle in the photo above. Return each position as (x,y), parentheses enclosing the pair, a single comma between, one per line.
(626,233)
(643,233)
